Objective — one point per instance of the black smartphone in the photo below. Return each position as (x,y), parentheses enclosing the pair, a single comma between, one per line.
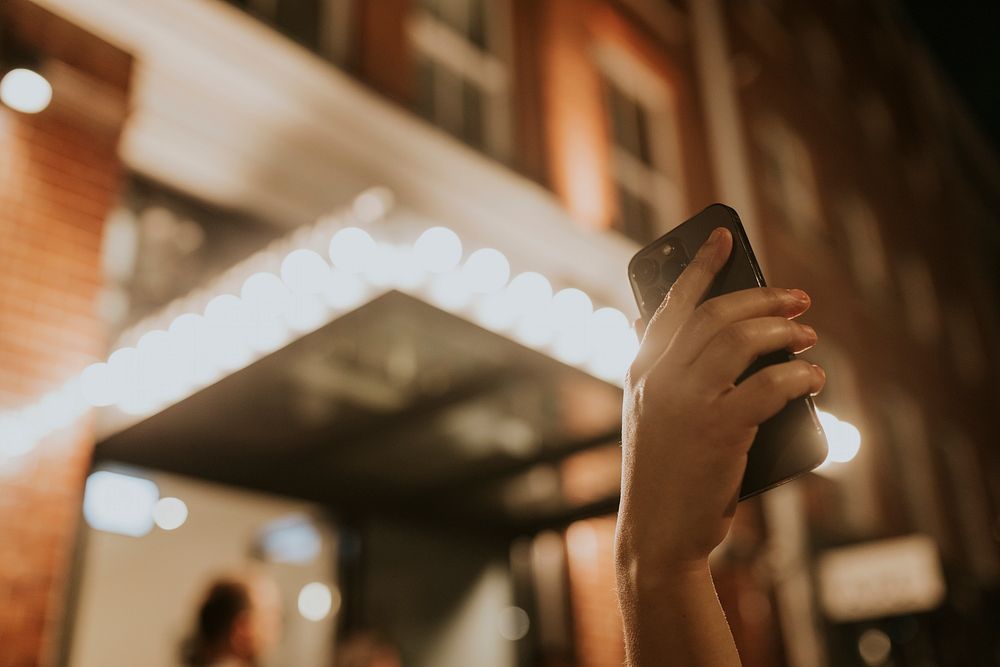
(792,442)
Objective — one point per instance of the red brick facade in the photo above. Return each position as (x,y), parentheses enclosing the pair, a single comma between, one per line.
(59,173)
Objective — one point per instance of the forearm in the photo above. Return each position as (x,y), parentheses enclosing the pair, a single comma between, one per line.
(674,618)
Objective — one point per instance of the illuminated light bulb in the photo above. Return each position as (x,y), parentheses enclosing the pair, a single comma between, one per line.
(843,439)
(170,513)
(571,308)
(306,313)
(268,334)
(190,349)
(159,375)
(611,364)
(372,204)
(845,443)
(265,295)
(226,332)
(536,329)
(97,386)
(63,406)
(352,249)
(486,270)
(123,370)
(438,250)
(119,503)
(16,438)
(316,600)
(381,270)
(408,270)
(496,311)
(25,91)
(571,347)
(513,623)
(450,291)
(343,290)
(607,327)
(304,272)
(530,292)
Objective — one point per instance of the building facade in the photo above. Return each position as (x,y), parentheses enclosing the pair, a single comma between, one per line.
(853,164)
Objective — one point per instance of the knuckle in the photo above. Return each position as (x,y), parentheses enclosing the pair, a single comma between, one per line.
(711,310)
(736,335)
(773,296)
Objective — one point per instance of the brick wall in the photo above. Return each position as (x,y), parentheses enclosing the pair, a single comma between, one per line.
(597,622)
(59,172)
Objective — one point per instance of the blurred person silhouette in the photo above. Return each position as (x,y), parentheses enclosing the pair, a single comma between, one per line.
(367,648)
(686,429)
(238,622)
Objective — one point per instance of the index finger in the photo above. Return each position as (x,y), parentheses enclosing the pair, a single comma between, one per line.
(684,296)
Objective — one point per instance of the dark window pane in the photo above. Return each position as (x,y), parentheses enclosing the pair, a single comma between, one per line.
(618,107)
(472,112)
(636,218)
(644,149)
(425,88)
(299,19)
(476,32)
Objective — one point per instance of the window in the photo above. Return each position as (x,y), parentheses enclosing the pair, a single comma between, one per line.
(322,26)
(645,159)
(789,182)
(463,76)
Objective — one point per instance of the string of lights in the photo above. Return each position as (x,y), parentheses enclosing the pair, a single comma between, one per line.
(290,289)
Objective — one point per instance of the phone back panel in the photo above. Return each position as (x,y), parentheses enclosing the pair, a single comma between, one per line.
(792,442)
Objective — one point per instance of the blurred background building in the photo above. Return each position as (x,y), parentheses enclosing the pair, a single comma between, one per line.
(445,474)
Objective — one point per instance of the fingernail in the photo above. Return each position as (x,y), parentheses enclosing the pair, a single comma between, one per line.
(714,237)
(820,370)
(810,332)
(799,295)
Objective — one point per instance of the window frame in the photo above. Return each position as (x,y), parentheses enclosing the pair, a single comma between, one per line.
(660,183)
(488,69)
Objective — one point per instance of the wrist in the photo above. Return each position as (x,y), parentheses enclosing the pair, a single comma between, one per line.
(640,575)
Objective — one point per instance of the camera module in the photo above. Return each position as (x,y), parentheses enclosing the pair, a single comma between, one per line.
(645,270)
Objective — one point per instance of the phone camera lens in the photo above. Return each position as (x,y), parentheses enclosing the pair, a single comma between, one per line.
(645,271)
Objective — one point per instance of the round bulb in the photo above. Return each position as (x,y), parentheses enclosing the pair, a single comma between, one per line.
(571,308)
(372,204)
(265,295)
(306,313)
(513,623)
(315,601)
(304,272)
(486,270)
(343,290)
(438,250)
(25,91)
(450,291)
(170,513)
(607,327)
(352,249)
(845,443)
(123,368)
(530,292)
(95,381)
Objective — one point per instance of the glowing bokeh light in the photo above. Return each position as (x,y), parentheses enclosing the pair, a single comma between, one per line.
(486,270)
(25,90)
(170,513)
(316,600)
(352,249)
(438,250)
(304,271)
(119,503)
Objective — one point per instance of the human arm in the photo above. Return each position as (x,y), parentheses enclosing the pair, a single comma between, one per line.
(686,431)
